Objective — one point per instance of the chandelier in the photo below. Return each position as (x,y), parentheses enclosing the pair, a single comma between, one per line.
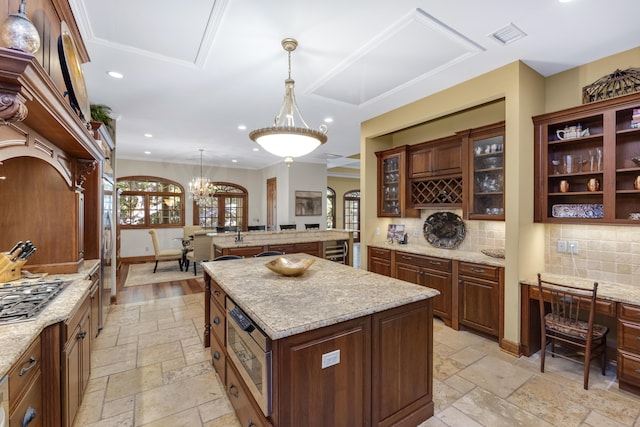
(284,138)
(201,190)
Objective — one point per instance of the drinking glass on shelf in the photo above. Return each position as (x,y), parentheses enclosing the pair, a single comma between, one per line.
(599,158)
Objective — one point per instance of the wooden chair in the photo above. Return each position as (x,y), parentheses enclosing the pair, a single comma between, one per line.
(201,250)
(269,253)
(287,226)
(566,324)
(312,226)
(164,254)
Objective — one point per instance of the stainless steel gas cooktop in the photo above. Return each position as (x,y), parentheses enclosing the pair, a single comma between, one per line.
(20,302)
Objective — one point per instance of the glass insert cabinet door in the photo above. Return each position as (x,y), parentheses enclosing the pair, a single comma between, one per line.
(487,172)
(391,186)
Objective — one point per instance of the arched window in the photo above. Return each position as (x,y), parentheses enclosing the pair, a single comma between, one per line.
(352,213)
(150,202)
(331,208)
(228,208)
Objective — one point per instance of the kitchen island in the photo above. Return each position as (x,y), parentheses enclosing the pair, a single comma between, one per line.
(348,347)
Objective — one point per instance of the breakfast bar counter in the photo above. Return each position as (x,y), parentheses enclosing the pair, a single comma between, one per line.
(341,346)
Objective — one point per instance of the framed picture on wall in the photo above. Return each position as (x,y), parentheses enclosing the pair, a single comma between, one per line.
(308,203)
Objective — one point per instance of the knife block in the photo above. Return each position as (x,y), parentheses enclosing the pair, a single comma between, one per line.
(10,270)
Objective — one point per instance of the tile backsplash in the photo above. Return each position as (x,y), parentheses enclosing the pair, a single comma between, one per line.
(479,234)
(605,253)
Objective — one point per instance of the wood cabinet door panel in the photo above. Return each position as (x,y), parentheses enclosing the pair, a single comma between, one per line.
(71,380)
(421,163)
(408,273)
(401,380)
(629,368)
(629,336)
(30,407)
(218,325)
(448,158)
(629,312)
(24,371)
(380,266)
(441,282)
(479,305)
(248,251)
(286,248)
(336,395)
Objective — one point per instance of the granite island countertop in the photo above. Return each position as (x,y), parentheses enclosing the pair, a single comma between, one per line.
(328,293)
(262,238)
(15,338)
(454,254)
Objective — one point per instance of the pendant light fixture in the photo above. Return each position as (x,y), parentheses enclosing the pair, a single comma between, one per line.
(284,138)
(201,190)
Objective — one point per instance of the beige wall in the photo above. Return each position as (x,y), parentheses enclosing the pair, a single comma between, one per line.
(341,185)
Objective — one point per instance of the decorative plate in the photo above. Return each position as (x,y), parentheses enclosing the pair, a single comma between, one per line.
(585,210)
(444,230)
(72,73)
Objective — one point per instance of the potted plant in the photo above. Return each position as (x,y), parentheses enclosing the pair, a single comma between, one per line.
(100,114)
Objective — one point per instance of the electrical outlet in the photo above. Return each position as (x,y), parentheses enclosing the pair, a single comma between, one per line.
(572,247)
(377,231)
(330,359)
(415,233)
(562,246)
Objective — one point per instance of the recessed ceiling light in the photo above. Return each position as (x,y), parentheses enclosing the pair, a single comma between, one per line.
(256,149)
(234,161)
(242,127)
(564,1)
(115,74)
(148,135)
(147,152)
(328,120)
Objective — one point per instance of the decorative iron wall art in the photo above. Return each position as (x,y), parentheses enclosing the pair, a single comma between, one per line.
(620,82)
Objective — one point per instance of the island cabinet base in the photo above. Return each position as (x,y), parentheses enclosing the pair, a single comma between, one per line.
(376,370)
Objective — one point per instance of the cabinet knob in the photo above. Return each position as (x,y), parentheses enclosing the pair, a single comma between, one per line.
(216,355)
(233,390)
(460,281)
(82,335)
(31,363)
(216,293)
(216,320)
(251,424)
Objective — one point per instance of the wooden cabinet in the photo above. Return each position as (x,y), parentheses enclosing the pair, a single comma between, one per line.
(247,411)
(436,173)
(245,251)
(311,248)
(436,158)
(430,272)
(379,261)
(25,388)
(215,325)
(340,395)
(629,347)
(584,172)
(393,197)
(480,293)
(486,184)
(76,361)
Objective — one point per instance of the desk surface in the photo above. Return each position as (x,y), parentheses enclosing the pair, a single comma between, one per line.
(606,291)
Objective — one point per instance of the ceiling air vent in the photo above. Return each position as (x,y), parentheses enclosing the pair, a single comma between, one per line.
(508,34)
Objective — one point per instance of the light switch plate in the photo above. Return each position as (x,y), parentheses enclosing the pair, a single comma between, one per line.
(562,246)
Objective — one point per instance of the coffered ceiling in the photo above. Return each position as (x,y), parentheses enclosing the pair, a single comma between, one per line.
(195,70)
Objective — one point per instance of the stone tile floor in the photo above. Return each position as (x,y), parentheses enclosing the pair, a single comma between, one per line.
(149,369)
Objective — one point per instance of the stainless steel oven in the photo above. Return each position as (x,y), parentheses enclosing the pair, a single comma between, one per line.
(250,350)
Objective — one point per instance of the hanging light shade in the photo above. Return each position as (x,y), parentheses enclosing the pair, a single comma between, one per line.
(284,138)
(18,32)
(200,189)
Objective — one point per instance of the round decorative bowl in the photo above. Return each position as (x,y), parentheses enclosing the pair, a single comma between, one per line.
(292,267)
(636,160)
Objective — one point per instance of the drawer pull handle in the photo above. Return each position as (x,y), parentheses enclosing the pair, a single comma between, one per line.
(216,320)
(31,363)
(216,293)
(251,424)
(29,415)
(435,263)
(233,390)
(216,355)
(82,335)
(478,270)
(407,257)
